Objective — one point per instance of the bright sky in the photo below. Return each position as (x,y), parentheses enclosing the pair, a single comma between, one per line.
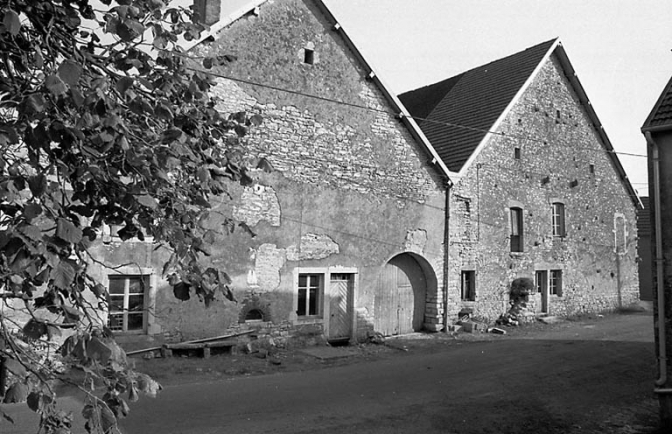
(620,49)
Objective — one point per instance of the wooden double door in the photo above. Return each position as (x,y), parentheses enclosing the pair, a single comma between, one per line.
(400,297)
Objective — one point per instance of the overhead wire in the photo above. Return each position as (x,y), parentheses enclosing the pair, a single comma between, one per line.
(365,166)
(416,118)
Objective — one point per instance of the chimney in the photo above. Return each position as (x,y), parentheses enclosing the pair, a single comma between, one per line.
(207,11)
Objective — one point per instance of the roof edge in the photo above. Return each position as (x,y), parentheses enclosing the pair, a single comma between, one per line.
(528,82)
(599,128)
(647,123)
(404,115)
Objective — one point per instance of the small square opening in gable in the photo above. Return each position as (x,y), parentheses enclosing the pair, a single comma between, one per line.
(309,56)
(309,53)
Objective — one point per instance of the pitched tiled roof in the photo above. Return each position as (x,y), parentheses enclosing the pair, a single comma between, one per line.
(458,112)
(661,115)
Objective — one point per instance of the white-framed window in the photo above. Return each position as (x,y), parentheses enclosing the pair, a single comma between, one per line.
(468,285)
(310,293)
(555,283)
(128,306)
(558,222)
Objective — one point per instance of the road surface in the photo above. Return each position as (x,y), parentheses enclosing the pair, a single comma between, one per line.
(593,376)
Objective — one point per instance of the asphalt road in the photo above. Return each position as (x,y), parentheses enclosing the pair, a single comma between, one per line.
(582,378)
(592,376)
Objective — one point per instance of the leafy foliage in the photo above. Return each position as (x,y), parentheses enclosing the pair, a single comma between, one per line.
(101,123)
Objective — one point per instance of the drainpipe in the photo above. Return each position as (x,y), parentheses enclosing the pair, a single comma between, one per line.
(446,255)
(660,261)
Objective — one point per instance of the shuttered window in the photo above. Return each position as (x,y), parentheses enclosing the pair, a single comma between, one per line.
(516,229)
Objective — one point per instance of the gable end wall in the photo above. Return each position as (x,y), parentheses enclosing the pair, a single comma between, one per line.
(558,145)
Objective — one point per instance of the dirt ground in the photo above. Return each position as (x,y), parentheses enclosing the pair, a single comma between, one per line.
(621,376)
(191,368)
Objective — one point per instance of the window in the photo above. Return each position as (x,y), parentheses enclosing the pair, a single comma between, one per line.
(516,230)
(310,295)
(516,153)
(540,281)
(308,56)
(468,285)
(555,283)
(127,303)
(558,219)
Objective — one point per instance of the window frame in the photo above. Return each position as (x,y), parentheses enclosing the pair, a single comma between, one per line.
(319,295)
(516,229)
(558,218)
(144,279)
(468,285)
(555,282)
(541,281)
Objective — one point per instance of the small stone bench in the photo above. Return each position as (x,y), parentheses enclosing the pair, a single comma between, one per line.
(203,348)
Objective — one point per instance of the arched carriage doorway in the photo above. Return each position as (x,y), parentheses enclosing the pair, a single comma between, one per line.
(401,295)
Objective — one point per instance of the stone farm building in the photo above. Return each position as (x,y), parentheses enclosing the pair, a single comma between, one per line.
(538,191)
(351,224)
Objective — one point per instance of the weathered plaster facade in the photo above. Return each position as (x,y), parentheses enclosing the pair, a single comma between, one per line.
(561,160)
(350,190)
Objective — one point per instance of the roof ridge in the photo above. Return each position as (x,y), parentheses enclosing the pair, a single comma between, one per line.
(459,111)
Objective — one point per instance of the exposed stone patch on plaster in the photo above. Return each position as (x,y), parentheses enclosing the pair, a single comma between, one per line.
(268,260)
(231,97)
(313,246)
(258,203)
(296,142)
(416,240)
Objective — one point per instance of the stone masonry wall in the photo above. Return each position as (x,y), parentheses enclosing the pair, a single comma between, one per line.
(562,160)
(350,189)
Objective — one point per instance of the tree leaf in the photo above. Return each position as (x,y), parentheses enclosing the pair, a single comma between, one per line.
(63,274)
(11,22)
(31,231)
(17,392)
(38,401)
(181,291)
(71,314)
(32,210)
(147,201)
(16,368)
(107,418)
(35,329)
(163,112)
(124,84)
(37,184)
(55,85)
(97,350)
(53,332)
(67,231)
(35,102)
(99,290)
(69,72)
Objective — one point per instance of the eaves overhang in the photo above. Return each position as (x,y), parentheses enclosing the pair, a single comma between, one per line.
(647,127)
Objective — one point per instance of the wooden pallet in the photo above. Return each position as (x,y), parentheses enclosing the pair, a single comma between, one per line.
(203,348)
